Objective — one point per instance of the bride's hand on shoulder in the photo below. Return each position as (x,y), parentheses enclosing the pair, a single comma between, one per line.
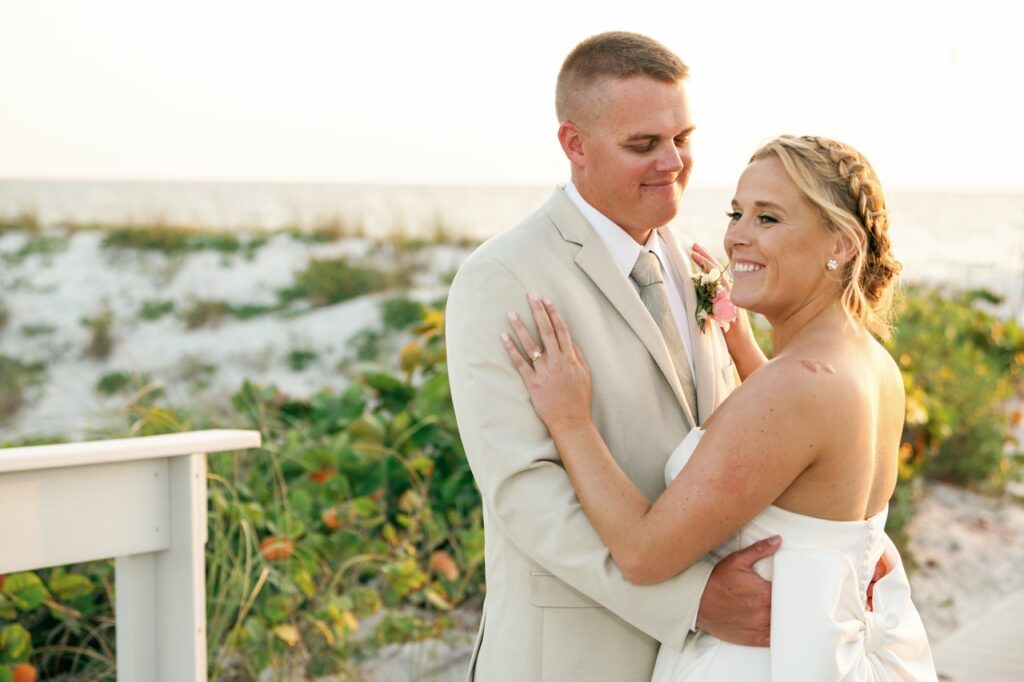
(739,337)
(553,369)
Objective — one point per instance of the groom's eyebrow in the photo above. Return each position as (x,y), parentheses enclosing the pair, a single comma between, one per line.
(640,137)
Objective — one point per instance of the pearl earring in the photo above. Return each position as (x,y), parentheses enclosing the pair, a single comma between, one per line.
(832,264)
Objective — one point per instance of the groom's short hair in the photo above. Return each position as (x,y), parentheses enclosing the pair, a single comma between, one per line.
(616,54)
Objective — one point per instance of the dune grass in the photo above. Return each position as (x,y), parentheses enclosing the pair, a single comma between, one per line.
(170,239)
(154,309)
(16,379)
(211,313)
(25,221)
(101,339)
(328,281)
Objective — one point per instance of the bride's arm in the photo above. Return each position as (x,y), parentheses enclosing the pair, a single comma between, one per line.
(751,453)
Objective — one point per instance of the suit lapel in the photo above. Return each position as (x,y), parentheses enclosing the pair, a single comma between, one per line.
(703,342)
(597,263)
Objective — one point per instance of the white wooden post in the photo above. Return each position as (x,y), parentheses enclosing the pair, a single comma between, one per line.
(153,642)
(140,500)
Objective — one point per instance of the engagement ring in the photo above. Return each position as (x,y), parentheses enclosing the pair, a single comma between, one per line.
(535,355)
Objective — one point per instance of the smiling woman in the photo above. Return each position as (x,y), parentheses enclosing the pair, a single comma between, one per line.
(816,183)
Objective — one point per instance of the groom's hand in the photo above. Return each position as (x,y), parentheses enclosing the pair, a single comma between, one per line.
(737,603)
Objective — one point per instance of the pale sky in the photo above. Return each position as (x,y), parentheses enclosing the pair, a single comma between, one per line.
(461,92)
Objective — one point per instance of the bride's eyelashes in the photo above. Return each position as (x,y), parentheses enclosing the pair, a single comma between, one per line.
(763,219)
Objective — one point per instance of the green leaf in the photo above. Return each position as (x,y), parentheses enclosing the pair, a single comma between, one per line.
(26,590)
(7,610)
(277,608)
(287,527)
(332,412)
(393,393)
(434,398)
(6,674)
(368,428)
(15,644)
(405,576)
(68,586)
(305,582)
(366,601)
(301,502)
(252,511)
(424,466)
(402,421)
(336,606)
(472,541)
(365,507)
(254,629)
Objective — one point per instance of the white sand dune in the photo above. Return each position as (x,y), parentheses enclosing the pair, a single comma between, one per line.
(203,365)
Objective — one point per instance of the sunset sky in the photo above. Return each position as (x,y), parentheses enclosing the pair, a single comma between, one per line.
(461,92)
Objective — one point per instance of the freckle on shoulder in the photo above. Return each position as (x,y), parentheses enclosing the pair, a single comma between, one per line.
(815,366)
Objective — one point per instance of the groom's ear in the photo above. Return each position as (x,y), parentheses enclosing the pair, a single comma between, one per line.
(572,142)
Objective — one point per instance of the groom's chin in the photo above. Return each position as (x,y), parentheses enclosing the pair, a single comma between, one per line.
(662,212)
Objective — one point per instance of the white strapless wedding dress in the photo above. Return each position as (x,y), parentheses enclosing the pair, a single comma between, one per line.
(821,628)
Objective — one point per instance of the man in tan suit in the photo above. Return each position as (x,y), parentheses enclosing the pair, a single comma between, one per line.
(557,607)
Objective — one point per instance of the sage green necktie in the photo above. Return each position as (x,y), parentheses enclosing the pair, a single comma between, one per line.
(649,277)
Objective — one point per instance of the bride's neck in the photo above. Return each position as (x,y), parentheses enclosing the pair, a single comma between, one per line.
(808,320)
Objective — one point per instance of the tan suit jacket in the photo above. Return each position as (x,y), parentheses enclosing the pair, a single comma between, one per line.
(557,608)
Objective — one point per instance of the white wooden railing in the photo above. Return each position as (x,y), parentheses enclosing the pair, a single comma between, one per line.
(141,501)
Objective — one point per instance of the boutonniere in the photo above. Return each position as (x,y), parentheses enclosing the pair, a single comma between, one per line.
(713,298)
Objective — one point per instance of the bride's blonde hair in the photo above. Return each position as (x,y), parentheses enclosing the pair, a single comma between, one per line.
(843,186)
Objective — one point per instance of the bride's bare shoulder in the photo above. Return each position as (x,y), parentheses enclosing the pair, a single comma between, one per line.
(821,384)
(806,367)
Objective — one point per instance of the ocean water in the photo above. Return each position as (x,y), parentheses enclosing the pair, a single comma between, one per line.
(957,238)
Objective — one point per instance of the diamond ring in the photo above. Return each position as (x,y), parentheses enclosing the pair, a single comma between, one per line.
(535,355)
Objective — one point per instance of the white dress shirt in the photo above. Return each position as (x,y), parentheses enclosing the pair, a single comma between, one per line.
(625,252)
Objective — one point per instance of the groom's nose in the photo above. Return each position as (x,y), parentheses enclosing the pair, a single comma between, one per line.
(672,159)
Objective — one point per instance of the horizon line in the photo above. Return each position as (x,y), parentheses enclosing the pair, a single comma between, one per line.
(968,189)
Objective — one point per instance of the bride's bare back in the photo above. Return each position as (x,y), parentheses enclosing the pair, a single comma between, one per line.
(859,409)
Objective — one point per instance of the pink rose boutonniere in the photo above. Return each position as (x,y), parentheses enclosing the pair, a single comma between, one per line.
(713,299)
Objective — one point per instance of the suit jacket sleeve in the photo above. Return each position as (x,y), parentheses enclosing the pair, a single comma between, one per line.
(520,476)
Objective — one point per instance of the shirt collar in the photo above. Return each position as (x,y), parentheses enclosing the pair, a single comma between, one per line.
(624,250)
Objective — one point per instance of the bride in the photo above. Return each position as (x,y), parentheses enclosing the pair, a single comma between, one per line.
(805,449)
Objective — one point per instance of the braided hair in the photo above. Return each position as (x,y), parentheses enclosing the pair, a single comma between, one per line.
(843,186)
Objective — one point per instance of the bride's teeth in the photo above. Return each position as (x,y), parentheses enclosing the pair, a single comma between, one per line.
(747,267)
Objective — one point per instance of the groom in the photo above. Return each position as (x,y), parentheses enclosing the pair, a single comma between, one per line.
(557,607)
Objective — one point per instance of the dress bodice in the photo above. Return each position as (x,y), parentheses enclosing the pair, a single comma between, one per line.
(821,626)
